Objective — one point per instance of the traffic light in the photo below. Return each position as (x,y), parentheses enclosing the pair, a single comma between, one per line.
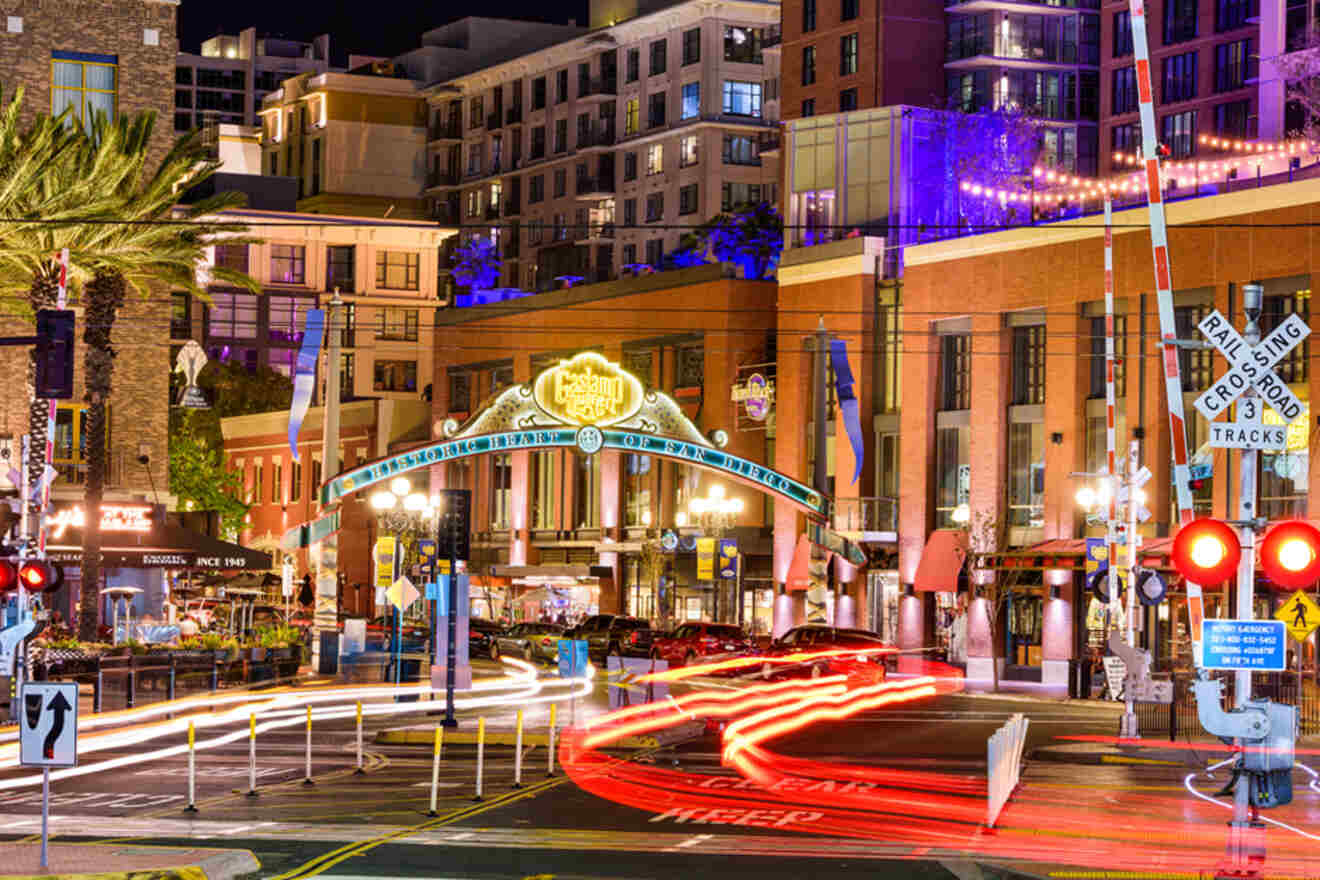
(38,576)
(8,575)
(1290,554)
(1206,551)
(55,331)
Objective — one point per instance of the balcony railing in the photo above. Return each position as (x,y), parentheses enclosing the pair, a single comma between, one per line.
(442,178)
(446,131)
(599,184)
(597,136)
(873,514)
(447,214)
(599,88)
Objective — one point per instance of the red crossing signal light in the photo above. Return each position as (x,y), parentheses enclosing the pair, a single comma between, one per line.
(38,576)
(1206,551)
(8,575)
(1290,554)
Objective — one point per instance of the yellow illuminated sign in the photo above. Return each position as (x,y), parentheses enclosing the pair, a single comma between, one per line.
(587,389)
(385,546)
(1298,429)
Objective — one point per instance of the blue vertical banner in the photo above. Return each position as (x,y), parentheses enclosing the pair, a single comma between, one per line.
(727,563)
(843,386)
(304,376)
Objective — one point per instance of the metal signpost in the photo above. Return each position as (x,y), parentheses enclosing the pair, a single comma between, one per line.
(454,527)
(48,737)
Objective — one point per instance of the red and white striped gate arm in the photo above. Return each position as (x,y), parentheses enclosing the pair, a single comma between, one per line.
(1113,525)
(1159,242)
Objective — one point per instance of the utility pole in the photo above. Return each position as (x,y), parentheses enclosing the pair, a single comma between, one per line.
(325,613)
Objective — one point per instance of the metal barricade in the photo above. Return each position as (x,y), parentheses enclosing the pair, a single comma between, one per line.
(1003,753)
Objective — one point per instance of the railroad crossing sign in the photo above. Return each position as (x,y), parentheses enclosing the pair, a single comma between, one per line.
(1300,614)
(1251,366)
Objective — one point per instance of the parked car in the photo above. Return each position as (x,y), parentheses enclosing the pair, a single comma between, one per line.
(481,636)
(692,641)
(531,641)
(607,634)
(380,634)
(817,637)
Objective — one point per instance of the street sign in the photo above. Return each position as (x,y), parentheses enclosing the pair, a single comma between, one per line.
(1252,366)
(402,593)
(1247,435)
(454,523)
(1300,615)
(48,724)
(572,657)
(286,579)
(1243,644)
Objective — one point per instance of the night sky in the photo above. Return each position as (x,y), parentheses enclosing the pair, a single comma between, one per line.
(379,27)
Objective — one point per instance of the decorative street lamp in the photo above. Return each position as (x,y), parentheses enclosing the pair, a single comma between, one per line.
(715,514)
(401,510)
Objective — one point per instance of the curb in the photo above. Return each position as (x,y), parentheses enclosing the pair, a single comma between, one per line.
(217,864)
(425,737)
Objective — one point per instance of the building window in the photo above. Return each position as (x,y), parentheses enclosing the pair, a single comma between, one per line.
(288,317)
(460,392)
(1026,474)
(691,107)
(501,377)
(655,110)
(1231,118)
(561,86)
(501,489)
(538,93)
(655,207)
(395,376)
(655,252)
(808,65)
(584,79)
(629,219)
(687,152)
(1178,133)
(655,159)
(1231,14)
(742,44)
(848,55)
(277,482)
(953,471)
(847,100)
(538,142)
(295,481)
(1122,34)
(288,264)
(536,189)
(232,256)
(545,489)
(691,46)
(634,65)
(740,150)
(1097,365)
(808,15)
(346,375)
(1232,63)
(561,135)
(1126,138)
(955,372)
(232,316)
(808,108)
(1180,20)
(398,270)
(687,199)
(630,166)
(476,114)
(180,315)
(1125,90)
(658,52)
(85,85)
(637,490)
(849,10)
(340,270)
(1274,310)
(1195,366)
(397,324)
(586,491)
(1029,365)
(631,116)
(734,196)
(561,182)
(257,492)
(1179,77)
(742,98)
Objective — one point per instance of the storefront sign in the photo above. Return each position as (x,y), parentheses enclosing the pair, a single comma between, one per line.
(757,475)
(386,562)
(727,564)
(114,518)
(705,559)
(189,363)
(757,395)
(588,390)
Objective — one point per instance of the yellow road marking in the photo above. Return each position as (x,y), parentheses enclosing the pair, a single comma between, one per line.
(1124,759)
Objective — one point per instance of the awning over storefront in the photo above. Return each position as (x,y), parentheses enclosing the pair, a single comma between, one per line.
(1057,553)
(941,560)
(167,546)
(561,570)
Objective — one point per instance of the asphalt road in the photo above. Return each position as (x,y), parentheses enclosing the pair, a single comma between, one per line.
(377,824)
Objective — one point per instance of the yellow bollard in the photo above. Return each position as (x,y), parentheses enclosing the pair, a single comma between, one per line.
(517,753)
(307,780)
(252,754)
(481,754)
(359,771)
(550,760)
(437,743)
(192,770)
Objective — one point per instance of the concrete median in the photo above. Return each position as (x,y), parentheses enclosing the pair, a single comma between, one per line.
(127,861)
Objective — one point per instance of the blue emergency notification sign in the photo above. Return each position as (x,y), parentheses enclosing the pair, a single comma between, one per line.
(1259,645)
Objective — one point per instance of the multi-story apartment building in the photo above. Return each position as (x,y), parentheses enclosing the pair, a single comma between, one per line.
(841,55)
(597,154)
(228,79)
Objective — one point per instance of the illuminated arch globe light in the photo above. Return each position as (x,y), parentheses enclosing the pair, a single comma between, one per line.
(383,501)
(400,486)
(1290,554)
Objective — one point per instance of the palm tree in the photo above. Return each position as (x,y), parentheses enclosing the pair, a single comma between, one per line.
(143,250)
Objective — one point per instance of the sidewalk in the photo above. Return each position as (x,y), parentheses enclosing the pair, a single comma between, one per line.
(127,861)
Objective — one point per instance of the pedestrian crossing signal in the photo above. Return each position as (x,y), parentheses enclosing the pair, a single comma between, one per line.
(1290,554)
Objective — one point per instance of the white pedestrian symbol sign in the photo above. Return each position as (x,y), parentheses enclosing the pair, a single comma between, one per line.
(1251,366)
